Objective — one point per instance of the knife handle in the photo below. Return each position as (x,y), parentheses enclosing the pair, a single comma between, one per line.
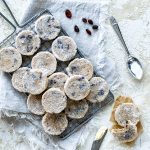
(118,32)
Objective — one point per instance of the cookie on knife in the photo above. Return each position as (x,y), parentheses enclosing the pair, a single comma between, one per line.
(17,78)
(47,27)
(34,104)
(27,42)
(10,59)
(57,80)
(45,61)
(35,82)
(127,111)
(54,100)
(80,66)
(99,90)
(76,109)
(64,48)
(54,124)
(77,87)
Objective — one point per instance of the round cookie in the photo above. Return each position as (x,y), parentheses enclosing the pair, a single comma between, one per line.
(54,100)
(27,42)
(10,59)
(45,61)
(35,82)
(127,134)
(76,109)
(99,90)
(57,80)
(64,48)
(127,111)
(77,87)
(54,124)
(17,78)
(35,105)
(47,27)
(80,66)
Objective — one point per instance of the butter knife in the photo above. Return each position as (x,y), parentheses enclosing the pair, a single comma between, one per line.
(99,138)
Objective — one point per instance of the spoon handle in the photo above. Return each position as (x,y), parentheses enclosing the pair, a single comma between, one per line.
(118,32)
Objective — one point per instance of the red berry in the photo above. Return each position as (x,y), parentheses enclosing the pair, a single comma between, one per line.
(90,21)
(88,32)
(95,27)
(84,20)
(68,13)
(76,28)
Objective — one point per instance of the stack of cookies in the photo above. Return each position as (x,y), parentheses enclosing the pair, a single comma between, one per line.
(126,120)
(56,96)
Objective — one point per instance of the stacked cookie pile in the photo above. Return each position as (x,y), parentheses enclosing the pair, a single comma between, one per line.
(55,95)
(126,120)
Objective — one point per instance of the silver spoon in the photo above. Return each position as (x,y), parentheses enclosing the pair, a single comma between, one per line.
(133,64)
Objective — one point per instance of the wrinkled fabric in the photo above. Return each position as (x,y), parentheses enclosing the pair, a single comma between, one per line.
(13,104)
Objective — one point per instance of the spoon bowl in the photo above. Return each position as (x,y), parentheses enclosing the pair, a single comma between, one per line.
(135,67)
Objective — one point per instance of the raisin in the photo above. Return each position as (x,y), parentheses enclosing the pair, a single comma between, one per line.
(127,136)
(88,32)
(29,37)
(95,27)
(73,68)
(68,13)
(22,37)
(76,28)
(92,84)
(73,94)
(101,92)
(90,21)
(82,86)
(84,20)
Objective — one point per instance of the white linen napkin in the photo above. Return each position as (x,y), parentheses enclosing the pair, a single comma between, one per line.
(13,104)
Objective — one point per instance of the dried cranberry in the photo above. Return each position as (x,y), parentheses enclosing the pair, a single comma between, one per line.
(76,28)
(68,13)
(95,27)
(84,20)
(90,21)
(88,32)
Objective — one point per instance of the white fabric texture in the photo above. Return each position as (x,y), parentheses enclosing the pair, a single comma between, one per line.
(13,104)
